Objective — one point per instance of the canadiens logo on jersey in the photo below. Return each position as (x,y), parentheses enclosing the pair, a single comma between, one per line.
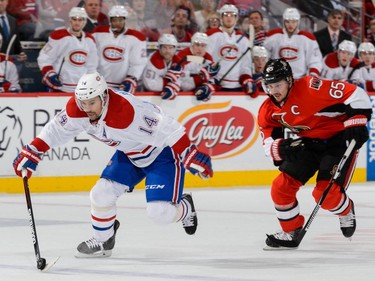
(279,117)
(228,52)
(113,54)
(78,58)
(288,53)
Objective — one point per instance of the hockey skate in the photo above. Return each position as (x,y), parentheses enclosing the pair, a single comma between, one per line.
(348,223)
(190,223)
(285,237)
(93,248)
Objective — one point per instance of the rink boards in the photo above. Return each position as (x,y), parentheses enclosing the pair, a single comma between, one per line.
(225,127)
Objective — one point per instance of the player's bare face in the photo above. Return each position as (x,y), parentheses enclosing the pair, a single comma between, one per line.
(77,24)
(345,57)
(259,63)
(167,52)
(118,24)
(93,107)
(229,19)
(278,90)
(367,57)
(290,25)
(198,49)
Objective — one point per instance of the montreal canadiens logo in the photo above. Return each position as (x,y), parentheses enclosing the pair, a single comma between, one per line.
(221,130)
(228,52)
(78,58)
(288,53)
(113,54)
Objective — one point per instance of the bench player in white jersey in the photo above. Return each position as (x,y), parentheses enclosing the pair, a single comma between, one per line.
(68,54)
(260,58)
(339,64)
(198,77)
(298,47)
(364,72)
(149,144)
(122,51)
(164,68)
(9,79)
(227,45)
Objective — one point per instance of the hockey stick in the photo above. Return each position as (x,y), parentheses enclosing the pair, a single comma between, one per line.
(7,54)
(40,262)
(336,173)
(251,44)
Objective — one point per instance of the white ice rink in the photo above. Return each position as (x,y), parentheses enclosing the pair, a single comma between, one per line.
(227,246)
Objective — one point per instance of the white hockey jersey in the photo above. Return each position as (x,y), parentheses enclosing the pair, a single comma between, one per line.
(224,47)
(138,128)
(365,75)
(11,74)
(120,56)
(190,78)
(155,70)
(68,56)
(332,69)
(301,50)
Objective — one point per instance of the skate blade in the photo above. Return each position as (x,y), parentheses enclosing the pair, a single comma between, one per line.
(280,248)
(104,254)
(50,264)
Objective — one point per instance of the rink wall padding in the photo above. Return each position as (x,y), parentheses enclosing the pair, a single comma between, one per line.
(224,127)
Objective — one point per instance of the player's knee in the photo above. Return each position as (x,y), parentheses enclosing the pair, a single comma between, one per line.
(333,197)
(102,195)
(284,189)
(161,212)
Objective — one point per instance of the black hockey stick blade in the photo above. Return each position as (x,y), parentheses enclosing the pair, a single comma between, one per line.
(336,173)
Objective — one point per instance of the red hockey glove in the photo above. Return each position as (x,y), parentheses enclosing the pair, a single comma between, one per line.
(51,80)
(174,73)
(129,84)
(28,159)
(170,91)
(198,163)
(4,86)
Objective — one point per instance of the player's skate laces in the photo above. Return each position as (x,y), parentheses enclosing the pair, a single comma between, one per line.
(190,223)
(348,223)
(93,248)
(271,240)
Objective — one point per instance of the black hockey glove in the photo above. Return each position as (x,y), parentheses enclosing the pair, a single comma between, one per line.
(355,128)
(287,149)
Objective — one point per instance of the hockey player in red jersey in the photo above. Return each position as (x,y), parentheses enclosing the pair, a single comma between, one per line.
(324,115)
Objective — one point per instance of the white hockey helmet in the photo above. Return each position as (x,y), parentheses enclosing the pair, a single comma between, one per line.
(366,47)
(89,86)
(199,37)
(228,8)
(77,12)
(167,39)
(260,51)
(291,14)
(347,45)
(118,11)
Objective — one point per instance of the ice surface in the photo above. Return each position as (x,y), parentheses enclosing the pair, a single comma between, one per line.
(227,246)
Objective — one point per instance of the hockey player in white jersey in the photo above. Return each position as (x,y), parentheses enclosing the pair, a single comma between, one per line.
(364,72)
(226,44)
(149,144)
(197,76)
(122,51)
(164,68)
(9,79)
(299,48)
(68,54)
(260,58)
(339,64)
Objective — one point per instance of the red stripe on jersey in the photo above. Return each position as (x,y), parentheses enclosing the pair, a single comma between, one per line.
(177,179)
(139,152)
